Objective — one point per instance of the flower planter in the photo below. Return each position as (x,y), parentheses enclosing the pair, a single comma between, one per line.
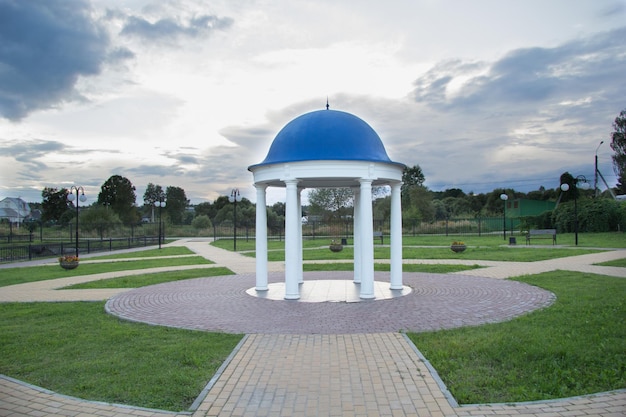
(458,248)
(69,265)
(336,248)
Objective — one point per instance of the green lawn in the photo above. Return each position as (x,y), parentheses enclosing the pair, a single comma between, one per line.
(430,268)
(21,275)
(489,253)
(77,349)
(618,262)
(168,251)
(585,240)
(136,281)
(577,346)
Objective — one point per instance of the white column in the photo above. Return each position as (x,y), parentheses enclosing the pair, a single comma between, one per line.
(367,240)
(395,280)
(261,238)
(300,272)
(292,258)
(357,236)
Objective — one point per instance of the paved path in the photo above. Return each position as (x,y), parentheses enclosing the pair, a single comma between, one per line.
(338,374)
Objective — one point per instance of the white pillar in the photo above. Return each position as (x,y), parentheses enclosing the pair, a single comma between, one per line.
(395,280)
(261,238)
(292,258)
(367,240)
(357,236)
(300,272)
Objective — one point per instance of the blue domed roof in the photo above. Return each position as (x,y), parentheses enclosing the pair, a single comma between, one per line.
(326,135)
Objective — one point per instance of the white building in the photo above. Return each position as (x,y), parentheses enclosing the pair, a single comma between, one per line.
(15,210)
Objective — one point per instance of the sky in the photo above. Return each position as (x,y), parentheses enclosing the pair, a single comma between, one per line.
(481,94)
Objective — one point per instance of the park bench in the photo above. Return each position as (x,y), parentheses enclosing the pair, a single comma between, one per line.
(541,234)
(379,235)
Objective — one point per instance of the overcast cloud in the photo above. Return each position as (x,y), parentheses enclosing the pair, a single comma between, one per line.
(482,94)
(44,48)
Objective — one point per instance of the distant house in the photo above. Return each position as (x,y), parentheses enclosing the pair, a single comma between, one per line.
(15,210)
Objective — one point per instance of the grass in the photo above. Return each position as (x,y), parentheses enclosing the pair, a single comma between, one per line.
(169,251)
(618,262)
(77,349)
(430,268)
(22,275)
(574,347)
(585,240)
(495,253)
(136,281)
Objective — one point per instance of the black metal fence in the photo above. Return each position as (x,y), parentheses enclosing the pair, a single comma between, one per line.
(58,240)
(324,229)
(17,252)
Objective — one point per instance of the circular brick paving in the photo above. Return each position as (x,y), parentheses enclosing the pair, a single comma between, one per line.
(437,301)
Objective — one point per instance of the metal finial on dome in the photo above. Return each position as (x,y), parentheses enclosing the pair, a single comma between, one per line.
(327,106)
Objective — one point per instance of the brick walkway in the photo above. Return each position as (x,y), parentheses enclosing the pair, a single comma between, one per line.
(363,367)
(437,301)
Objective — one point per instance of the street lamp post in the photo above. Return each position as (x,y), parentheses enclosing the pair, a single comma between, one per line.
(235,197)
(580,182)
(78,198)
(504,197)
(160,204)
(595,182)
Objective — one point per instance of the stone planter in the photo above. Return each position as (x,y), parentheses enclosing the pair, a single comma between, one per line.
(458,248)
(336,248)
(69,265)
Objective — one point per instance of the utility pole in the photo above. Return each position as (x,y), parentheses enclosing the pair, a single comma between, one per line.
(595,183)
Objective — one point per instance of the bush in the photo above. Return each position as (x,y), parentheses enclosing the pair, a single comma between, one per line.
(540,221)
(201,222)
(597,215)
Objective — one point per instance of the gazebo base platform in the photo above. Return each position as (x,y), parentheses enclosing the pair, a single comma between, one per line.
(337,291)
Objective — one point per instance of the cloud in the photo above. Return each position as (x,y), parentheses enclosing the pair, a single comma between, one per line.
(29,152)
(45,46)
(528,76)
(173,29)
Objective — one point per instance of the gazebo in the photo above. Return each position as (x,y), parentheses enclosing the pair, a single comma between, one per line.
(326,149)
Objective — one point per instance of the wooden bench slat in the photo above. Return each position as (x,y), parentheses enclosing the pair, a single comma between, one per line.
(541,234)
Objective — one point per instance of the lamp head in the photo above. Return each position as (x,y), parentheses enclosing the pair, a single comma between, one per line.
(82,198)
(564,187)
(234,195)
(504,197)
(71,197)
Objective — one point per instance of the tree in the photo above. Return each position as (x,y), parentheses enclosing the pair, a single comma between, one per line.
(204,209)
(99,218)
(279,208)
(332,202)
(153,194)
(246,213)
(572,192)
(54,204)
(618,144)
(118,194)
(176,204)
(412,177)
(201,222)
(421,207)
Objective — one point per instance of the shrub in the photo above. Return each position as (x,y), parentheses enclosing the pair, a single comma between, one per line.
(597,215)
(201,222)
